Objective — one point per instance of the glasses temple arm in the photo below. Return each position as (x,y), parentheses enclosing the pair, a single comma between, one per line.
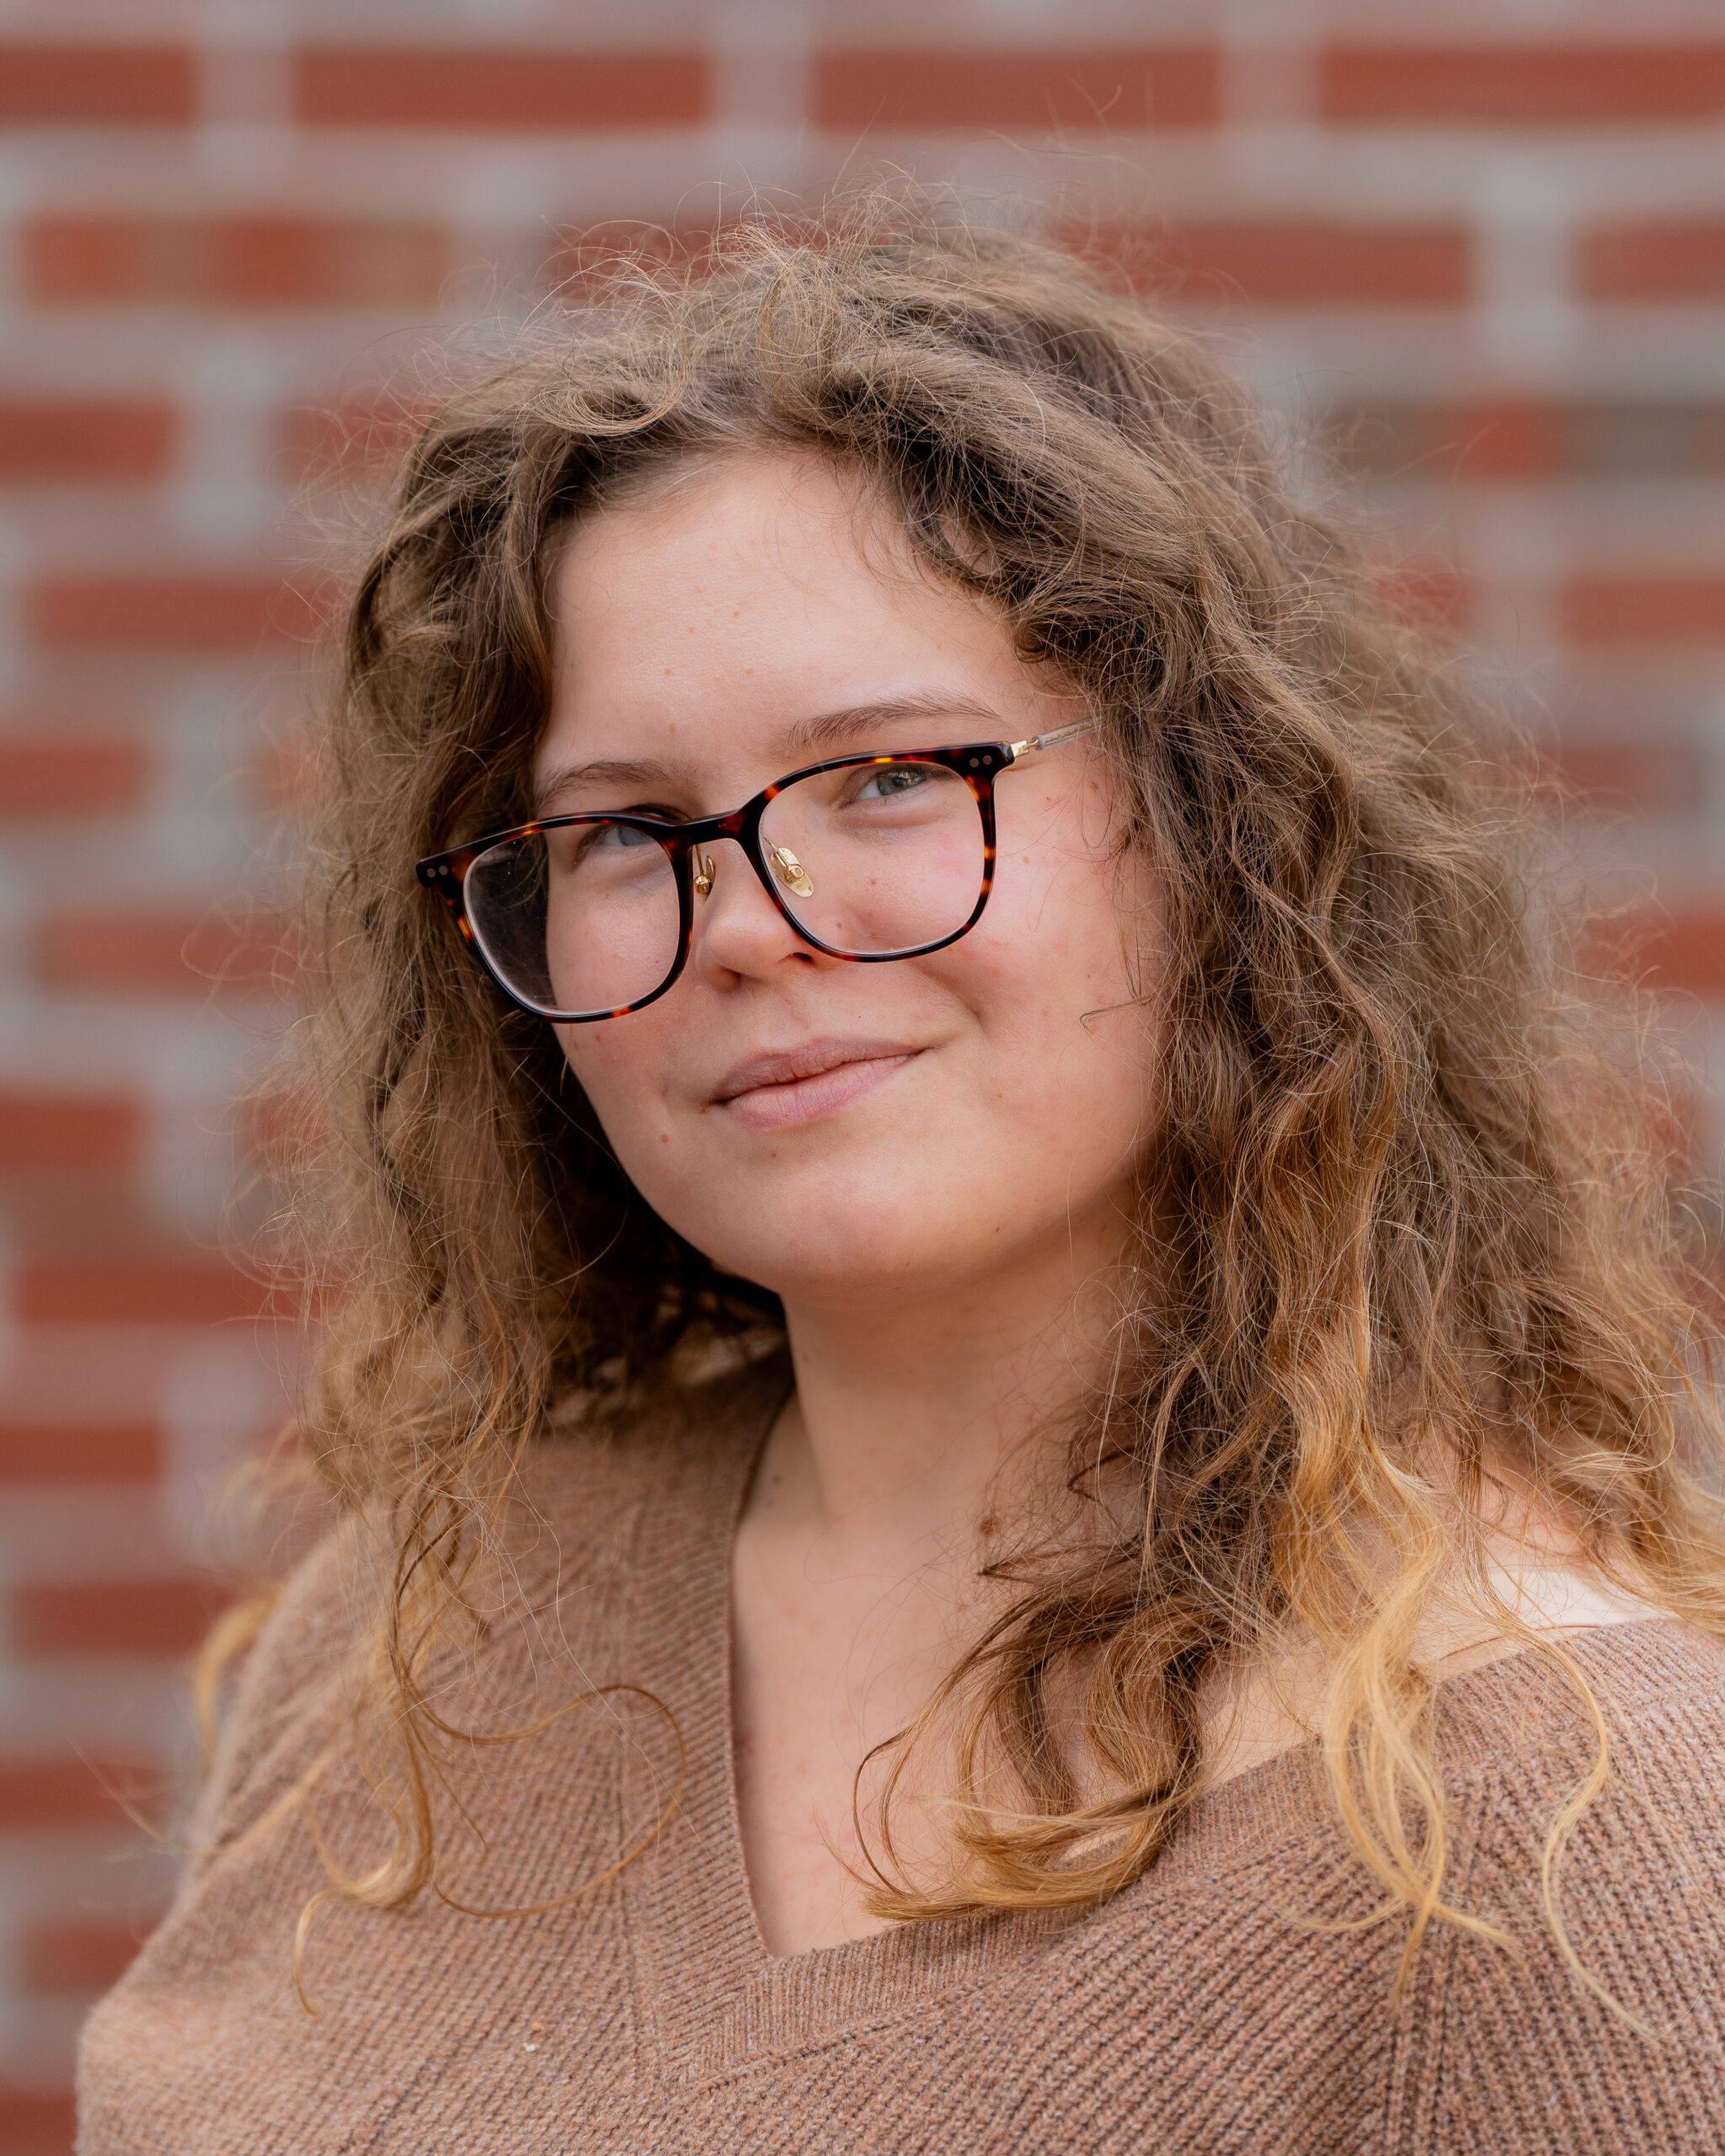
(1053,740)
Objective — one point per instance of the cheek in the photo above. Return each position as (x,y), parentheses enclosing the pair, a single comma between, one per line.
(1076,937)
(1066,991)
(618,1063)
(1046,1105)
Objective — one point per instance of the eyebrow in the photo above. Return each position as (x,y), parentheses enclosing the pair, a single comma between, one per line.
(835,729)
(570,778)
(829,732)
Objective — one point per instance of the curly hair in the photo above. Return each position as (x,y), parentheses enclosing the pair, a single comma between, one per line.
(1401,1229)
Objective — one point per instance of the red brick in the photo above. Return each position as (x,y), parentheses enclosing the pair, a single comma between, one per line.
(1624,608)
(318,442)
(395,86)
(65,1790)
(1525,439)
(290,773)
(84,1133)
(1653,778)
(181,613)
(1655,259)
(165,1289)
(1491,439)
(36,2121)
(97,83)
(1297,262)
(81,1959)
(589,258)
(46,438)
(234,262)
(1176,86)
(137,951)
(1500,440)
(1433,596)
(70,773)
(60,1453)
(1681,948)
(1532,84)
(142,1617)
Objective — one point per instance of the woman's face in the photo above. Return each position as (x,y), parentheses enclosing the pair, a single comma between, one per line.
(844,1134)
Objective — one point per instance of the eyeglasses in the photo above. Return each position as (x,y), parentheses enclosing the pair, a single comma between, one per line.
(868,858)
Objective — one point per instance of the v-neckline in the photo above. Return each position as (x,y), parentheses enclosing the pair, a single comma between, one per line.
(714,1994)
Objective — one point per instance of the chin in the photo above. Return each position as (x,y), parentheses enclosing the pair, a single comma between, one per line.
(829,1277)
(834,1270)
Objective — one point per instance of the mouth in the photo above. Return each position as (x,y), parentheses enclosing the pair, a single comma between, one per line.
(802,1085)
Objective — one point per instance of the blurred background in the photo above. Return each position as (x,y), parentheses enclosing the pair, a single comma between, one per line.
(1479,247)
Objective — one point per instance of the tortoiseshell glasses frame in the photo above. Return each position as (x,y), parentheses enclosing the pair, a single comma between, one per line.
(977,763)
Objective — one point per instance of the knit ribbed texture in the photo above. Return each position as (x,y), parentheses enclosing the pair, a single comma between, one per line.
(1213,2007)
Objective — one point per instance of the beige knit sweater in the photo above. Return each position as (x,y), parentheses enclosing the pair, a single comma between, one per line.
(1201,2010)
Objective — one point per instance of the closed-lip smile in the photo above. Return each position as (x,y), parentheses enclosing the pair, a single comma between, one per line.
(784,1086)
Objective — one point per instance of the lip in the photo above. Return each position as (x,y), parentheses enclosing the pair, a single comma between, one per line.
(800,1084)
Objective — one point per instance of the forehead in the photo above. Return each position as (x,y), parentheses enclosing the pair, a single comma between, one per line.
(781,514)
(751,595)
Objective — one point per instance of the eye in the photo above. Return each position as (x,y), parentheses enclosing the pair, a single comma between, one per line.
(593,843)
(622,835)
(892,782)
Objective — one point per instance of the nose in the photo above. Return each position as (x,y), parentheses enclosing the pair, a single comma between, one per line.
(740,933)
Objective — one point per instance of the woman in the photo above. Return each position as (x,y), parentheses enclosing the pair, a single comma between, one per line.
(1207,1633)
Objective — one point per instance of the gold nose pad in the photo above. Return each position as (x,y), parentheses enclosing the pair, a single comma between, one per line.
(791,871)
(703,874)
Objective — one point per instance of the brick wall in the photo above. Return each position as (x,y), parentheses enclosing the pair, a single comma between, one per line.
(1485,244)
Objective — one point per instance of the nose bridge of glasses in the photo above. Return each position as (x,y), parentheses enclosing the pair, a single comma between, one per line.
(704,858)
(785,865)
(707,831)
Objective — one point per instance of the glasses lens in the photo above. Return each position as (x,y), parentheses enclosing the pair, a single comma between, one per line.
(577,921)
(877,857)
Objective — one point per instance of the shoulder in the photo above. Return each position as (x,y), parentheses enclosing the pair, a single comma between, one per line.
(1517,1740)
(1613,1742)
(573,1508)
(589,1510)
(1587,1779)
(1654,1689)
(291,1684)
(1601,2026)
(1603,2033)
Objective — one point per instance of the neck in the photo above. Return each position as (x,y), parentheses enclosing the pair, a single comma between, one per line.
(917,1419)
